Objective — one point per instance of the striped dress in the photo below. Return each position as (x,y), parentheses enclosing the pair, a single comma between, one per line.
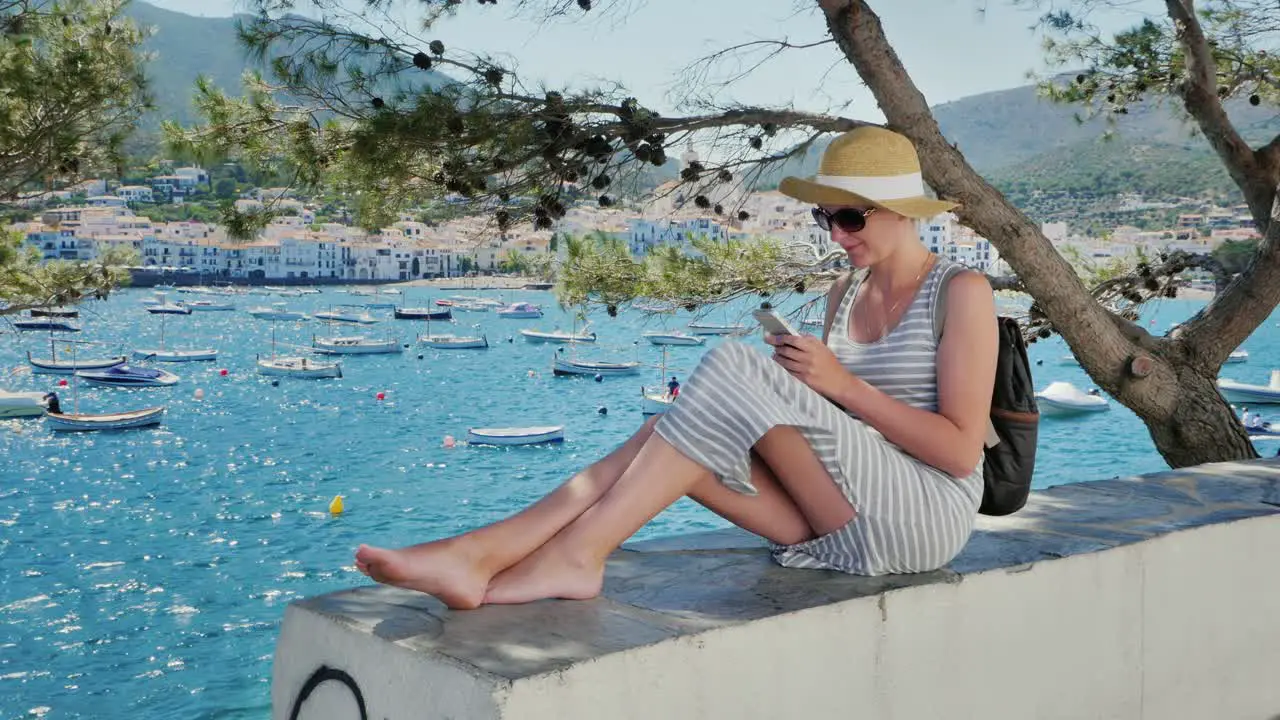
(910,516)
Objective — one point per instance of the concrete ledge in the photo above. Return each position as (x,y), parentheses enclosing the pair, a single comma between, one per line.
(1146,597)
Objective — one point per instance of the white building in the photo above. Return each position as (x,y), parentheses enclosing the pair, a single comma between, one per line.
(944,235)
(643,235)
(134,193)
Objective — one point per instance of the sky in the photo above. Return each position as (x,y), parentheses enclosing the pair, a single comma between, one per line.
(952,48)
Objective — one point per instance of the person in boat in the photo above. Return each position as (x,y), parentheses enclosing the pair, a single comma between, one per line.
(859,452)
(673,388)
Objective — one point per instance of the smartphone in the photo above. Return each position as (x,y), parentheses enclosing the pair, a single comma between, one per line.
(773,323)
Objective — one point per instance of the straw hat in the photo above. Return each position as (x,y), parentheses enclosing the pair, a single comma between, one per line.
(869,166)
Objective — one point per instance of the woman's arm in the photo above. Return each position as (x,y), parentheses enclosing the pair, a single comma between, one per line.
(952,438)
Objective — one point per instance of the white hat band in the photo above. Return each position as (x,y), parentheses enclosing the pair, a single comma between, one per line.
(887,187)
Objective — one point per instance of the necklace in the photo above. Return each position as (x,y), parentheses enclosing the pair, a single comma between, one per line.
(915,284)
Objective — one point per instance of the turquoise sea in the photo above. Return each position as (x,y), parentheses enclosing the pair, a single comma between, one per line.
(144,573)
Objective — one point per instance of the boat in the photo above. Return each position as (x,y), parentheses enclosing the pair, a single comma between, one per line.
(49,324)
(516,435)
(345,317)
(557,336)
(288,293)
(55,312)
(1062,399)
(655,308)
(421,313)
(1068,360)
(293,366)
(306,291)
(454,342)
(471,307)
(108,421)
(355,345)
(276,311)
(210,306)
(129,376)
(657,402)
(1234,391)
(299,367)
(163,354)
(673,338)
(53,366)
(520,311)
(27,404)
(567,366)
(1238,356)
(168,308)
(710,329)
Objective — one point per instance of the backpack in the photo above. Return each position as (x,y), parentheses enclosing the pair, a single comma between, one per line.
(1009,454)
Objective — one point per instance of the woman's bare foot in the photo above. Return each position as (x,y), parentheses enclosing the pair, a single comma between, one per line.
(440,569)
(546,574)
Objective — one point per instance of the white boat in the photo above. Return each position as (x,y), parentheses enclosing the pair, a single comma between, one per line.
(1062,399)
(355,345)
(453,342)
(53,366)
(363,318)
(1068,360)
(306,291)
(129,376)
(26,404)
(673,338)
(567,366)
(655,402)
(277,311)
(1240,392)
(168,308)
(210,306)
(299,367)
(163,354)
(710,329)
(520,311)
(380,305)
(516,435)
(557,336)
(1238,356)
(107,421)
(288,293)
(471,307)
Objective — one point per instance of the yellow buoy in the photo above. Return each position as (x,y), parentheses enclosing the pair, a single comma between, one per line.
(335,505)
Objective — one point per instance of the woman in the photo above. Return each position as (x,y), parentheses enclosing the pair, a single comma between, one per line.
(860,452)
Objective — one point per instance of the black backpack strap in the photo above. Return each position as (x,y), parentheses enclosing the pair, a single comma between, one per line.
(940,298)
(939,319)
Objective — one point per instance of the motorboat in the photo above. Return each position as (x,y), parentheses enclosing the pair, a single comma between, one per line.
(1238,392)
(55,312)
(1237,356)
(673,338)
(421,313)
(567,366)
(26,404)
(454,342)
(168,308)
(520,311)
(362,318)
(711,329)
(49,324)
(276,311)
(129,376)
(355,345)
(107,421)
(299,367)
(1068,360)
(557,336)
(471,307)
(516,435)
(1062,399)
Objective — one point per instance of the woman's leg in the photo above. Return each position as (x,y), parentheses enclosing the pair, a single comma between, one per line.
(571,565)
(458,569)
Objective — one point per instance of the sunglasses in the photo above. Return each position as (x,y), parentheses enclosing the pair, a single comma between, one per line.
(847,219)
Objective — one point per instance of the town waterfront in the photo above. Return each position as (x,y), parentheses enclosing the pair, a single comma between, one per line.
(144,573)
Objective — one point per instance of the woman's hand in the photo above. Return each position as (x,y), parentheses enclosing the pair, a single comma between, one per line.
(810,361)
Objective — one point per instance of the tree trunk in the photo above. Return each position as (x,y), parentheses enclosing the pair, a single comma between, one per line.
(1170,384)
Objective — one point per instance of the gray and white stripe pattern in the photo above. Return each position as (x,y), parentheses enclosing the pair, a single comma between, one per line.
(911,517)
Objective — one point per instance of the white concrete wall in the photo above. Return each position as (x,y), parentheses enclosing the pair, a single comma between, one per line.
(1186,625)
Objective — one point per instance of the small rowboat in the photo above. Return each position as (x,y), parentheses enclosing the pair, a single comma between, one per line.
(565,366)
(673,338)
(557,336)
(454,342)
(54,366)
(108,421)
(516,435)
